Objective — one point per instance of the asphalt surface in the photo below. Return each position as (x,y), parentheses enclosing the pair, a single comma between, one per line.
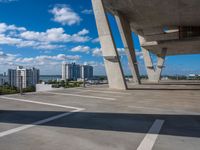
(100,118)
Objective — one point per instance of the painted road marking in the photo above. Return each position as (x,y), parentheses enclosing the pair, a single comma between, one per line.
(18,129)
(85,91)
(37,102)
(150,138)
(14,130)
(100,91)
(84,96)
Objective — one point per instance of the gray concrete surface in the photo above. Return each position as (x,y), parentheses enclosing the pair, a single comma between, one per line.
(111,119)
(159,21)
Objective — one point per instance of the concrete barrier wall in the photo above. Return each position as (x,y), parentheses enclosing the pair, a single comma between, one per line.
(45,87)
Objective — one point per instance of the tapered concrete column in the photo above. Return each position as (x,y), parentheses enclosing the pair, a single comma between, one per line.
(149,65)
(160,64)
(111,59)
(126,35)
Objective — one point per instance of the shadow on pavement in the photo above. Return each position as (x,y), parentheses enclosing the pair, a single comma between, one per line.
(176,125)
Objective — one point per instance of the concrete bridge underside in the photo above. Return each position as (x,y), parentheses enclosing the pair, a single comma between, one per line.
(165,28)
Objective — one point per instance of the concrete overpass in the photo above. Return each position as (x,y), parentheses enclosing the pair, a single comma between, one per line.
(164,28)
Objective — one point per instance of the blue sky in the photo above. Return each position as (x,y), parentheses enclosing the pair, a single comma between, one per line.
(44,33)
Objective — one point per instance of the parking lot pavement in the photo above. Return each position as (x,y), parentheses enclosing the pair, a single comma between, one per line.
(97,118)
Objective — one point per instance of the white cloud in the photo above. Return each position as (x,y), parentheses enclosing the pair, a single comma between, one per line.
(80,36)
(83,32)
(7,1)
(87,11)
(96,40)
(16,59)
(121,51)
(8,40)
(139,54)
(56,35)
(97,52)
(49,46)
(84,49)
(4,27)
(65,15)
(7,57)
(93,63)
(53,38)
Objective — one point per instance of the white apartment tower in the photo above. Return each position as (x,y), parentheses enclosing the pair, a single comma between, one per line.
(75,71)
(23,76)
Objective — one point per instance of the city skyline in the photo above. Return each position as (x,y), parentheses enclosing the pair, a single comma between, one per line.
(53,32)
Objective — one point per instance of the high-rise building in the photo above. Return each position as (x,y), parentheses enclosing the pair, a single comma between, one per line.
(3,79)
(75,71)
(70,71)
(23,77)
(12,77)
(86,72)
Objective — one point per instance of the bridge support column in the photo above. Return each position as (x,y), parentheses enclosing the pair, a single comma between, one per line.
(149,65)
(126,35)
(111,58)
(160,64)
(154,74)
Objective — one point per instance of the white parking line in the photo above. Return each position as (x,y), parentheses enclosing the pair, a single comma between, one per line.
(14,130)
(150,138)
(37,102)
(84,96)
(24,127)
(100,91)
(85,91)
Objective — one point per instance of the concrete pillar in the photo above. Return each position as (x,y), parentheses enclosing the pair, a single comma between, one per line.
(111,59)
(160,64)
(126,35)
(154,74)
(149,65)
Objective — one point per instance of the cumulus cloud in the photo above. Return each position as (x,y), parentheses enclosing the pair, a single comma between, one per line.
(121,51)
(4,27)
(7,58)
(65,15)
(87,11)
(53,38)
(139,54)
(97,52)
(7,1)
(56,35)
(16,59)
(84,49)
(96,40)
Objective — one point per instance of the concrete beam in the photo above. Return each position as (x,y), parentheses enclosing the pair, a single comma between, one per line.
(126,35)
(162,37)
(113,67)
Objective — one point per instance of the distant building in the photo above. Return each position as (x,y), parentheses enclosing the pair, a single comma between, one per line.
(3,79)
(75,71)
(86,72)
(23,76)
(192,76)
(70,71)
(12,76)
